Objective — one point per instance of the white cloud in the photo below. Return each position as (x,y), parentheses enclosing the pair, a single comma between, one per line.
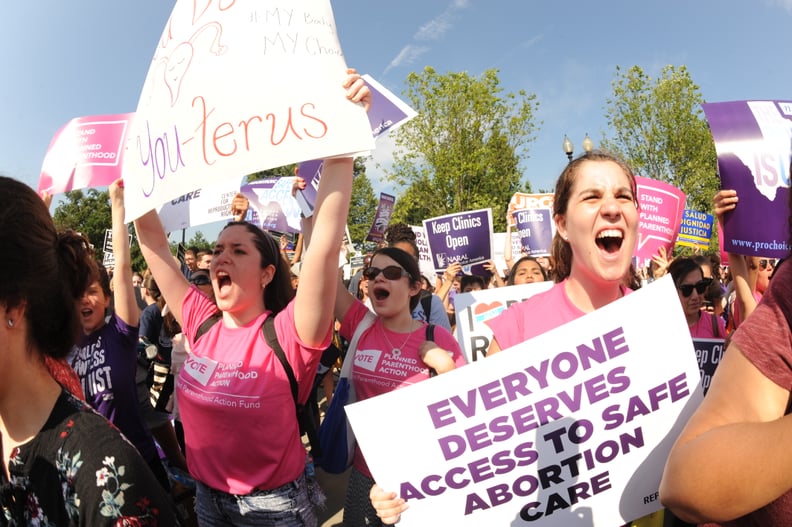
(432,31)
(435,29)
(381,159)
(407,56)
(786,4)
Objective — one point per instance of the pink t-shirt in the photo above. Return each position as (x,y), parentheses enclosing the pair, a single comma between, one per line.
(235,400)
(536,315)
(703,328)
(378,370)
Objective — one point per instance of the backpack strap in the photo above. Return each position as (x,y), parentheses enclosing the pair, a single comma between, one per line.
(207,324)
(304,419)
(430,336)
(426,303)
(715,331)
(268,328)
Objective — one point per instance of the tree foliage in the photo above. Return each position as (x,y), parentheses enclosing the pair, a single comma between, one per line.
(462,151)
(660,130)
(362,206)
(284,171)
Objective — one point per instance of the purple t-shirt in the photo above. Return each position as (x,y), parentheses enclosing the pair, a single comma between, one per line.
(106,361)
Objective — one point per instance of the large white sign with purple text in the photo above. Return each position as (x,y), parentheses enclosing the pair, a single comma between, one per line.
(570,428)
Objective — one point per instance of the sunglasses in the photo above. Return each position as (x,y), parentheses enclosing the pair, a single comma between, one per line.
(763,263)
(200,280)
(700,287)
(392,272)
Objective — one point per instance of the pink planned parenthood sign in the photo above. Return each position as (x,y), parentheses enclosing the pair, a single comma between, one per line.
(86,152)
(753,140)
(660,214)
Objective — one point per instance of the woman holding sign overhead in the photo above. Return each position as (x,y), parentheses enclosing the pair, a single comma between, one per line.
(235,399)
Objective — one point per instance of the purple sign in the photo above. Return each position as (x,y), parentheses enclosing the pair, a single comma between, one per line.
(271,198)
(535,229)
(660,214)
(311,172)
(464,237)
(387,112)
(382,219)
(753,140)
(709,353)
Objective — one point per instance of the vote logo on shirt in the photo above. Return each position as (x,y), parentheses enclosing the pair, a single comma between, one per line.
(200,368)
(367,359)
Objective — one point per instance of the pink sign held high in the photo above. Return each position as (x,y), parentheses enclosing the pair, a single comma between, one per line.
(86,152)
(660,214)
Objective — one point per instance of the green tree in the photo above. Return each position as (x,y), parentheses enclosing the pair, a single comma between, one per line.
(88,212)
(284,171)
(660,130)
(362,206)
(463,149)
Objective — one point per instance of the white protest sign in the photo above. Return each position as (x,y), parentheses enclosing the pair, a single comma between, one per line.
(473,309)
(234,88)
(200,206)
(425,263)
(570,428)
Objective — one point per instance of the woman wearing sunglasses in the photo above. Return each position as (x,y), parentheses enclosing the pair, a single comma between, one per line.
(405,356)
(691,287)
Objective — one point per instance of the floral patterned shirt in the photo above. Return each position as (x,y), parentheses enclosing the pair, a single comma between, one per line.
(79,471)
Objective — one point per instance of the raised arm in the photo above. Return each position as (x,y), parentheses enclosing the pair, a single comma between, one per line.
(156,251)
(318,289)
(733,456)
(124,301)
(744,279)
(507,245)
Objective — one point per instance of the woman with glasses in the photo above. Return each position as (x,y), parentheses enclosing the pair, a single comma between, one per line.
(406,356)
(691,288)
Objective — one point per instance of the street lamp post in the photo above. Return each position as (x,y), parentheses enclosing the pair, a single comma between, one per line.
(569,147)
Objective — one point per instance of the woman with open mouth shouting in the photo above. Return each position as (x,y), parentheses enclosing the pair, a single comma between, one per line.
(596,216)
(404,352)
(241,431)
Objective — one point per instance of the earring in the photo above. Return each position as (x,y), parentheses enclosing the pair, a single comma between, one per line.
(10,323)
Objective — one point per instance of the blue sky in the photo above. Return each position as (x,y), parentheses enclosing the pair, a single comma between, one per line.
(69,59)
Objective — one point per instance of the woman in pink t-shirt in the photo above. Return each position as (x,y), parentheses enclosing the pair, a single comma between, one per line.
(691,286)
(596,218)
(241,431)
(398,344)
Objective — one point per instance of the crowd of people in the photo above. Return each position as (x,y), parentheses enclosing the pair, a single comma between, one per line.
(92,432)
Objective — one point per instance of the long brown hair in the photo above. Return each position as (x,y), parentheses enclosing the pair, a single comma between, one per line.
(560,248)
